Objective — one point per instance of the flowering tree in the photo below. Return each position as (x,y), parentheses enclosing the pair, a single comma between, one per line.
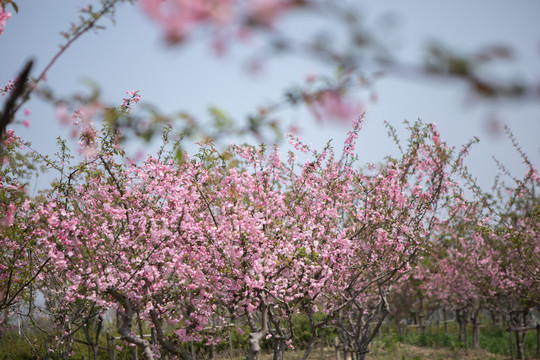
(452,274)
(395,215)
(19,265)
(486,256)
(174,243)
(178,243)
(511,249)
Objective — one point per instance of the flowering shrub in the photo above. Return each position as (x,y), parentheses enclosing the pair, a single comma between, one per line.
(176,243)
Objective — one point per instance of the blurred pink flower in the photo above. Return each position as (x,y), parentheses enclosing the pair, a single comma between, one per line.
(264,12)
(8,219)
(179,17)
(334,106)
(63,115)
(4,16)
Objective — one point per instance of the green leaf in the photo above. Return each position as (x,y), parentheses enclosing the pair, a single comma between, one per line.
(221,119)
(179,156)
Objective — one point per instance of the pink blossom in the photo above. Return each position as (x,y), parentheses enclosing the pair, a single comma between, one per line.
(286,231)
(62,114)
(311,77)
(180,17)
(265,12)
(332,105)
(8,219)
(8,88)
(4,16)
(88,150)
(127,104)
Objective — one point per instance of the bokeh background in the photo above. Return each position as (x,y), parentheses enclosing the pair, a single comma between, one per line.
(132,55)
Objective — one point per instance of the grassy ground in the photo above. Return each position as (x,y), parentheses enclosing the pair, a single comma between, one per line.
(406,351)
(399,352)
(413,346)
(494,341)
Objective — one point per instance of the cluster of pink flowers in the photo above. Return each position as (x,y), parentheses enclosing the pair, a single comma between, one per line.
(4,16)
(8,88)
(180,18)
(129,102)
(352,135)
(81,123)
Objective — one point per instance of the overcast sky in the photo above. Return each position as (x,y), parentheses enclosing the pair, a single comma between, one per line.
(131,55)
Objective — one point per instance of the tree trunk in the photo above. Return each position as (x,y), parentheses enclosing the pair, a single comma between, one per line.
(67,340)
(111,346)
(362,356)
(538,341)
(336,347)
(254,346)
(518,320)
(166,345)
(466,337)
(93,343)
(125,328)
(445,321)
(279,349)
(459,319)
(520,340)
(309,346)
(476,329)
(398,326)
(511,344)
(368,334)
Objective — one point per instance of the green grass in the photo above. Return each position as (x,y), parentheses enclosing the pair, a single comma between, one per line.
(13,346)
(495,341)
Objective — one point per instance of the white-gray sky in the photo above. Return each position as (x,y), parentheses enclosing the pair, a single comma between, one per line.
(131,55)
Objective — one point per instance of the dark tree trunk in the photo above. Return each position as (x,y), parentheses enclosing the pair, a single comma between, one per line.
(511,344)
(520,341)
(111,346)
(309,346)
(476,329)
(93,343)
(466,337)
(279,349)
(460,321)
(165,344)
(538,341)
